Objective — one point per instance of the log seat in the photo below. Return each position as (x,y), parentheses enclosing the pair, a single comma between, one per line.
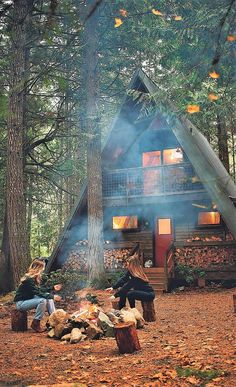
(149,313)
(19,322)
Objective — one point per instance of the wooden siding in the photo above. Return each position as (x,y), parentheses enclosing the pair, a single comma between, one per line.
(145,239)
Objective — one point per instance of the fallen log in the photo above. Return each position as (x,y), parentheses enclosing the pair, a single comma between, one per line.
(126,337)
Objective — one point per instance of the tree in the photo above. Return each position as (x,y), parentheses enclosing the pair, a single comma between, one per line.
(15,187)
(94,174)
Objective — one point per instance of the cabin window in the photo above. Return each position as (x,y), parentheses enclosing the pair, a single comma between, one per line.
(164,227)
(173,156)
(208,218)
(151,159)
(124,222)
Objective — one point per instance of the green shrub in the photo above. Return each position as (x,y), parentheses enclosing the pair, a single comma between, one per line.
(189,273)
(70,280)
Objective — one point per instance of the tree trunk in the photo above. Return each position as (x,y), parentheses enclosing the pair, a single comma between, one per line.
(95,209)
(223,143)
(16,205)
(5,274)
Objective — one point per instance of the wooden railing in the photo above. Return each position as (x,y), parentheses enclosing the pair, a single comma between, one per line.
(158,180)
(169,262)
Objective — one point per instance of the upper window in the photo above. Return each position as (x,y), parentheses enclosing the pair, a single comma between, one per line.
(173,156)
(124,222)
(208,218)
(151,159)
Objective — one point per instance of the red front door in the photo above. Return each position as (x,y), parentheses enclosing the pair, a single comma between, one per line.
(163,239)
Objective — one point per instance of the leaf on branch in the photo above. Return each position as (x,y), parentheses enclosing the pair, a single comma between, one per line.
(118,22)
(213,97)
(214,75)
(193,109)
(177,18)
(156,12)
(231,38)
(123,12)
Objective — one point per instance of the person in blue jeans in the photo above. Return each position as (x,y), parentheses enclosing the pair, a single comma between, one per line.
(29,295)
(134,285)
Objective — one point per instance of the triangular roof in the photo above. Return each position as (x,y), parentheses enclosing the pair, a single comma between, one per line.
(207,165)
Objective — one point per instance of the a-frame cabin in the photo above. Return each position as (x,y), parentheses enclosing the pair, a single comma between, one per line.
(163,187)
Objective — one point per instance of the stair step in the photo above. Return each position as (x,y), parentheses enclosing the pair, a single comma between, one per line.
(150,276)
(154,270)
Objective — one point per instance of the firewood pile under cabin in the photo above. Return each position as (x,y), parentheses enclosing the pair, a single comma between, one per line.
(114,256)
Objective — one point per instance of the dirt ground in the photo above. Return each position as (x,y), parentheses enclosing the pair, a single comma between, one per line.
(192,343)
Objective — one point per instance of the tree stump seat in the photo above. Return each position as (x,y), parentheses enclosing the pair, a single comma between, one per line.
(126,337)
(19,322)
(149,313)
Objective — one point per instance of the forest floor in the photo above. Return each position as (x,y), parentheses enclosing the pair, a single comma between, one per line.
(192,343)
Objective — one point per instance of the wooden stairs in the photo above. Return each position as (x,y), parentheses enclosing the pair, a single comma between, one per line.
(157,279)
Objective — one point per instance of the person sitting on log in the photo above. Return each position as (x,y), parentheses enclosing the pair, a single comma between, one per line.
(134,285)
(29,295)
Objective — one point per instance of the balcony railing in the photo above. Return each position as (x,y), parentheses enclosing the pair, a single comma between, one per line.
(148,181)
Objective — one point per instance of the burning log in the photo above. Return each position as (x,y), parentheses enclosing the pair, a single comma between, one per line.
(126,338)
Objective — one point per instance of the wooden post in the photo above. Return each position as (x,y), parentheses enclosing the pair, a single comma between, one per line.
(149,313)
(234,302)
(19,321)
(126,337)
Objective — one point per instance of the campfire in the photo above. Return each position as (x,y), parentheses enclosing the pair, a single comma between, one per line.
(89,322)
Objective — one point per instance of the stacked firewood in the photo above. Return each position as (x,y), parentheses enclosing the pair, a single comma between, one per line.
(205,256)
(89,322)
(113,258)
(205,239)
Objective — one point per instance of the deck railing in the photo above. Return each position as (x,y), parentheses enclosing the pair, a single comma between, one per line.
(149,181)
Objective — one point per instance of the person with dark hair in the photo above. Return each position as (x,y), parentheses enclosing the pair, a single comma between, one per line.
(29,295)
(134,285)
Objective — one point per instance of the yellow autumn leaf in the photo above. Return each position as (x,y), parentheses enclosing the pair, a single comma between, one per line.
(171,373)
(231,38)
(214,75)
(193,380)
(178,18)
(123,12)
(213,97)
(156,12)
(193,109)
(118,22)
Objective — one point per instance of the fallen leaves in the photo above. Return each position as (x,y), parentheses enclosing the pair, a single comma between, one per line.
(213,97)
(123,12)
(193,109)
(156,12)
(231,38)
(177,18)
(118,22)
(214,75)
(184,336)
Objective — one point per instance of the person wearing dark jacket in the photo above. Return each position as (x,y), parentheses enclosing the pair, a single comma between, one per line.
(29,295)
(134,285)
